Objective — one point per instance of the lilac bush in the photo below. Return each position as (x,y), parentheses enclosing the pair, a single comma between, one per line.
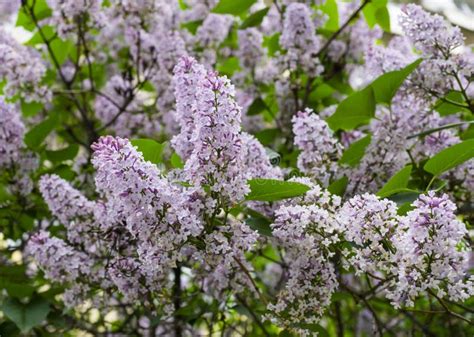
(235,168)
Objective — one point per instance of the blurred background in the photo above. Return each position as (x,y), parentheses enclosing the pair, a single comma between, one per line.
(459,12)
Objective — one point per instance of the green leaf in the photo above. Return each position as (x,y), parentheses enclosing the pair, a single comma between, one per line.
(267,136)
(192,26)
(355,110)
(176,161)
(387,85)
(152,150)
(450,157)
(234,7)
(14,280)
(30,109)
(48,33)
(398,183)
(273,190)
(35,137)
(61,49)
(67,153)
(254,19)
(355,152)
(445,107)
(256,107)
(376,12)
(339,186)
(260,224)
(321,92)
(382,17)
(272,43)
(64,171)
(330,9)
(26,316)
(41,11)
(229,66)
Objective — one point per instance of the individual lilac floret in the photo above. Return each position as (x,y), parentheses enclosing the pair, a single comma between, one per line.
(217,158)
(71,208)
(430,33)
(320,150)
(188,74)
(12,131)
(431,255)
(370,223)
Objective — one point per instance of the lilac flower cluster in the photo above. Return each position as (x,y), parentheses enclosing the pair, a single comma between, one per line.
(429,257)
(217,156)
(15,160)
(23,70)
(299,39)
(320,150)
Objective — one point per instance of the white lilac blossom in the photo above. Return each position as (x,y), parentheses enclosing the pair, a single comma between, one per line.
(371,224)
(23,70)
(217,157)
(430,255)
(320,150)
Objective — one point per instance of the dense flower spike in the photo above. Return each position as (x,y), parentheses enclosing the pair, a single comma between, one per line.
(250,47)
(320,150)
(23,70)
(12,131)
(371,224)
(217,158)
(428,254)
(188,74)
(299,39)
(431,34)
(59,261)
